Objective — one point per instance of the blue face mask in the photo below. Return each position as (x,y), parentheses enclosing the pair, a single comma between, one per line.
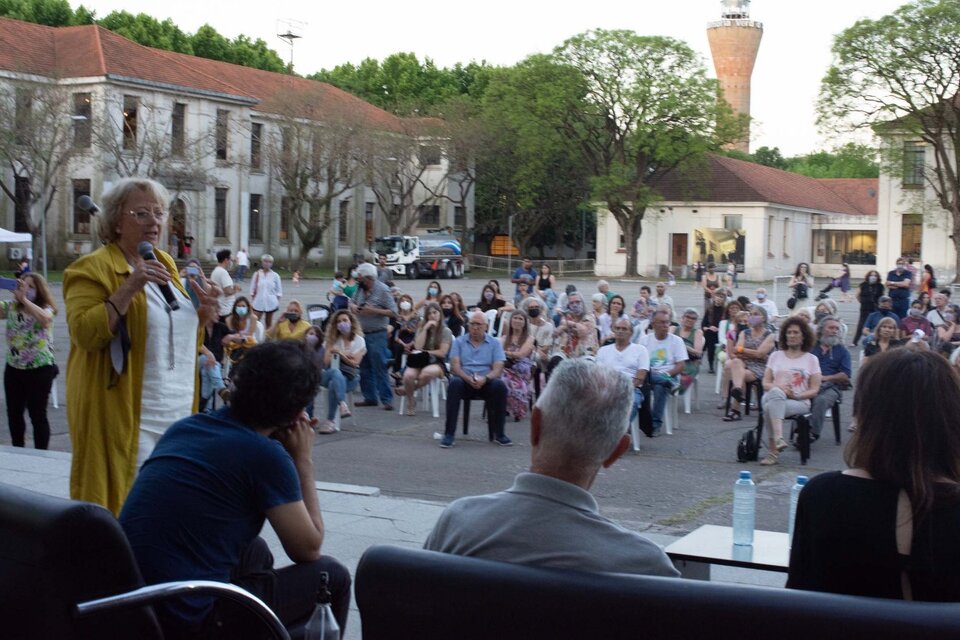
(432,291)
(241,311)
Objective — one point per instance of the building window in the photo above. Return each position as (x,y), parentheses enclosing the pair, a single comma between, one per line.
(732,222)
(220,214)
(178,130)
(344,210)
(256,135)
(913,164)
(786,237)
(81,218)
(256,230)
(429,154)
(770,222)
(21,210)
(911,237)
(842,246)
(284,219)
(430,216)
(368,221)
(223,122)
(130,107)
(459,217)
(22,115)
(82,123)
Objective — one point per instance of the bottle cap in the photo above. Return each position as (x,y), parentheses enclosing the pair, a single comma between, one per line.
(802,479)
(745,475)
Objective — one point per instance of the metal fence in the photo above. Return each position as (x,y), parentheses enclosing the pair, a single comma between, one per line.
(507,265)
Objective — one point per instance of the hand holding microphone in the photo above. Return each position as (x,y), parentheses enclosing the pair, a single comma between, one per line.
(155,272)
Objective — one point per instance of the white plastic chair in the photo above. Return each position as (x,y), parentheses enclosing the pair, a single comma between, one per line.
(491,320)
(692,394)
(435,392)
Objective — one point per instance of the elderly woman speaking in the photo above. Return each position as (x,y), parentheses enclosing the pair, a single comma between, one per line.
(134,338)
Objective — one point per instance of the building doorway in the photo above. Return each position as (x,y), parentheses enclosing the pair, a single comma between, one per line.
(678,251)
(178,227)
(911,238)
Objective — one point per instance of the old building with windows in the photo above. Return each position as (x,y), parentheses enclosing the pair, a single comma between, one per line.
(765,219)
(222,138)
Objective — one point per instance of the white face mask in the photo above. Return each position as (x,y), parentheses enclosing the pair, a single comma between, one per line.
(405,306)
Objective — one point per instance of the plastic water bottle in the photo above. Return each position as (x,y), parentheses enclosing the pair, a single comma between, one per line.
(744,509)
(794,496)
(322,625)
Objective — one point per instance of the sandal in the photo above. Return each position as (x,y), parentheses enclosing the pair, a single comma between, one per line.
(733,416)
(781,445)
(411,410)
(770,459)
(737,394)
(327,427)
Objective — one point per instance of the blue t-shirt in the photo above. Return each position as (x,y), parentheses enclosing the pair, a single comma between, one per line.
(835,360)
(899,293)
(200,500)
(477,360)
(519,272)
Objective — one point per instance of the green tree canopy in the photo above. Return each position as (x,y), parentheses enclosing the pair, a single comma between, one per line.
(898,75)
(646,109)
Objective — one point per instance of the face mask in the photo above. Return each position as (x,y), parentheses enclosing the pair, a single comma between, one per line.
(405,306)
(915,313)
(755,321)
(312,340)
(344,326)
(872,279)
(533,313)
(761,296)
(241,311)
(819,315)
(899,268)
(741,326)
(447,313)
(576,308)
(432,291)
(292,316)
(488,295)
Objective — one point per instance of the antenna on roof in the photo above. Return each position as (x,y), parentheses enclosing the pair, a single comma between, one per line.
(289,31)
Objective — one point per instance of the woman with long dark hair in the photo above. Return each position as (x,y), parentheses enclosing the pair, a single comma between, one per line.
(801,282)
(928,281)
(887,526)
(30,371)
(868,296)
(426,360)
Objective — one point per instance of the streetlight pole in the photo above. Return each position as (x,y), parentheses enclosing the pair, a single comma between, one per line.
(510,238)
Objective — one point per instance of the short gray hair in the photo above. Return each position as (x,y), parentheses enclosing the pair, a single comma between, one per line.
(367,270)
(115,202)
(823,323)
(585,432)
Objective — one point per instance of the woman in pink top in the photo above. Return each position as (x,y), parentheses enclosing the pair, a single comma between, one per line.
(791,379)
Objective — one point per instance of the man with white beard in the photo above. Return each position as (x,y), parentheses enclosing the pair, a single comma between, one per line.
(835,368)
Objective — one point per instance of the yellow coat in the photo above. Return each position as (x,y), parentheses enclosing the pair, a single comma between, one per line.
(282,330)
(105,422)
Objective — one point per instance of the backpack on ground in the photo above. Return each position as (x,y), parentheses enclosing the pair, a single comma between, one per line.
(747,448)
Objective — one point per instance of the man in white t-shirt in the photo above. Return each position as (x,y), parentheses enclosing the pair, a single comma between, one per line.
(243,263)
(221,277)
(632,360)
(935,315)
(667,356)
(768,305)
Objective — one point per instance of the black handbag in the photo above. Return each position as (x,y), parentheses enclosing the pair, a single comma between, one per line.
(418,359)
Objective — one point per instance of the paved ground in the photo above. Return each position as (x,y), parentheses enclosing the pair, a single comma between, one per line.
(675,484)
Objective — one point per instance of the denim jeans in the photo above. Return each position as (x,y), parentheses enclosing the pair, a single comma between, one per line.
(337,389)
(661,393)
(637,403)
(374,381)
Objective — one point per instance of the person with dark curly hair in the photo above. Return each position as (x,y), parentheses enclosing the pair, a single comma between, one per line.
(196,509)
(790,380)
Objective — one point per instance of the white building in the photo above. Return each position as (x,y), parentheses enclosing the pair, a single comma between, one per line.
(208,130)
(766,219)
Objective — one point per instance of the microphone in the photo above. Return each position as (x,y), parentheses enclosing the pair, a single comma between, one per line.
(145,249)
(87,204)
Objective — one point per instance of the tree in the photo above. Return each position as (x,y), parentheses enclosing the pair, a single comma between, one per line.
(315,162)
(645,107)
(898,76)
(35,144)
(396,165)
(770,157)
(148,31)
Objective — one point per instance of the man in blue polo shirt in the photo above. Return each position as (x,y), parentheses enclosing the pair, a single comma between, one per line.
(834,369)
(884,310)
(899,282)
(476,362)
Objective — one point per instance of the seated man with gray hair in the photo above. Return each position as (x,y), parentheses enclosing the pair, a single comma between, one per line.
(549,518)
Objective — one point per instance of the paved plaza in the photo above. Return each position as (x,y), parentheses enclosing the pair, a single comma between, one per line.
(384,480)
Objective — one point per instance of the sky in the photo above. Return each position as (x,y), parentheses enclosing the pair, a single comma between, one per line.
(794,53)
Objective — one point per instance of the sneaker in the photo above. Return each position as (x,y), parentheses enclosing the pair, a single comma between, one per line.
(327,427)
(502,440)
(446,442)
(657,430)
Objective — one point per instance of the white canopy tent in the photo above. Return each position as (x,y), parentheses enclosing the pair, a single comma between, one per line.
(10,236)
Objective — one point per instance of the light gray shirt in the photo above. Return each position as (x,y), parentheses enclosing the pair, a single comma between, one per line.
(379,298)
(545,522)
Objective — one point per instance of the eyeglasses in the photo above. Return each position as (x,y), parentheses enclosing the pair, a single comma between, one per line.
(144,217)
(477,324)
(623,328)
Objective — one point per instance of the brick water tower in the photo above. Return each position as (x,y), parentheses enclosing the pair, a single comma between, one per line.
(734,41)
